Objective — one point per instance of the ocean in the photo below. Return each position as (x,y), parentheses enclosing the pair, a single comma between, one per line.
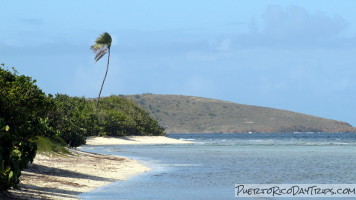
(209,168)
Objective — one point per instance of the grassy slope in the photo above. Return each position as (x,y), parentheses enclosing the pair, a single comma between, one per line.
(48,147)
(182,114)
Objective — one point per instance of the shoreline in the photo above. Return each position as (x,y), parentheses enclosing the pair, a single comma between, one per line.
(133,140)
(67,176)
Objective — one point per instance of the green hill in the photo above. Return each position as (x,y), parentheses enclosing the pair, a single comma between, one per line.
(187,114)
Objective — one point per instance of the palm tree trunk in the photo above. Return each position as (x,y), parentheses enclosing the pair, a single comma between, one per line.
(106,73)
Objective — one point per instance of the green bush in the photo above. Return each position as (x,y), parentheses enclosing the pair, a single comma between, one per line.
(122,117)
(71,117)
(76,118)
(14,157)
(22,107)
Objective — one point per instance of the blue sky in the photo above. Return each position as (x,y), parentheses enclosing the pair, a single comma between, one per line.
(298,55)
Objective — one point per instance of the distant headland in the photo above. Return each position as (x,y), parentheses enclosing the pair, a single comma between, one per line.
(188,114)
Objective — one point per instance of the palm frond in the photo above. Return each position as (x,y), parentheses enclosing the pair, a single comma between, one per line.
(104,39)
(96,47)
(100,54)
(102,46)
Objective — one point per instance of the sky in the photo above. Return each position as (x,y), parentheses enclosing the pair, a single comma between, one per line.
(297,55)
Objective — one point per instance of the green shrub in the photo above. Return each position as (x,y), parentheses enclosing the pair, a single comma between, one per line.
(76,118)
(22,104)
(22,107)
(70,118)
(122,117)
(14,157)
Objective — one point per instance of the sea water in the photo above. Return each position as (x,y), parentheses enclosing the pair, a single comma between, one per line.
(209,168)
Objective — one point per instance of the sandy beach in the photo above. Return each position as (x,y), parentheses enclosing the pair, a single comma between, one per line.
(133,140)
(65,177)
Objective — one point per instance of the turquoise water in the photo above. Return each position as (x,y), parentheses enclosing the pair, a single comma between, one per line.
(210,168)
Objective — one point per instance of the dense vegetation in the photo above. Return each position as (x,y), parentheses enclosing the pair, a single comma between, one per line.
(185,114)
(28,116)
(121,117)
(23,106)
(76,118)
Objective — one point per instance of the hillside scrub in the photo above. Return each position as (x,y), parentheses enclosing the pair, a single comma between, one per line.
(187,114)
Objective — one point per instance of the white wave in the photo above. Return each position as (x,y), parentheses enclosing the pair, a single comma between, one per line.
(183,139)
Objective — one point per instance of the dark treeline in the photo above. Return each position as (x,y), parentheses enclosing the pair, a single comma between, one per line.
(27,113)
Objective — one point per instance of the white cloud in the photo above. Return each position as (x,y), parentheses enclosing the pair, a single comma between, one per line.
(295,24)
(297,20)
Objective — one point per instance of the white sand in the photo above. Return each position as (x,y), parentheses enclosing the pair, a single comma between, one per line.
(133,140)
(65,177)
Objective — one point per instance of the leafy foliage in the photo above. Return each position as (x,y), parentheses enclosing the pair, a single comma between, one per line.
(102,46)
(23,105)
(122,117)
(28,116)
(76,118)
(69,118)
(15,154)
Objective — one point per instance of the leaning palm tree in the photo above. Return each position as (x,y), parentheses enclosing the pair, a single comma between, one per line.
(100,48)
